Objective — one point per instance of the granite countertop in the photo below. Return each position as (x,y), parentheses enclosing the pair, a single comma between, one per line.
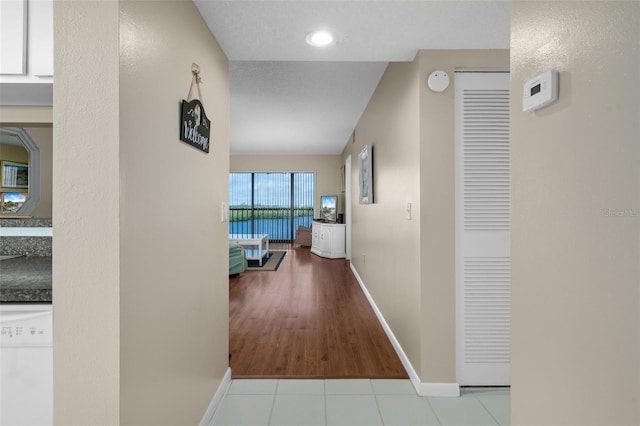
(25,279)
(30,222)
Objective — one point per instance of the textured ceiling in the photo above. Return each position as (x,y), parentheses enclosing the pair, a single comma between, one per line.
(298,107)
(288,97)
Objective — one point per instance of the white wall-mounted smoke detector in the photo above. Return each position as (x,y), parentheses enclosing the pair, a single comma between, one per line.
(438,81)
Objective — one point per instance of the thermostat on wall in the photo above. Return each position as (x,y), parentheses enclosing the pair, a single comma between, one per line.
(540,91)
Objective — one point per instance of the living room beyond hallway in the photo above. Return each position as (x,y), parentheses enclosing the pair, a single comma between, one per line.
(308,319)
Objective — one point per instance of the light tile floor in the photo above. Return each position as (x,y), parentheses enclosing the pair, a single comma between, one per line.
(356,402)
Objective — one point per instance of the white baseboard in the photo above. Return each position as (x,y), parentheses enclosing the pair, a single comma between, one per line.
(422,389)
(439,389)
(207,418)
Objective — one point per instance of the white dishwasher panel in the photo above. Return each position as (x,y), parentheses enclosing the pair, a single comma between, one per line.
(26,365)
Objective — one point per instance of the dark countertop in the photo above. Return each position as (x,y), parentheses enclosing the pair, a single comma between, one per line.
(27,222)
(25,279)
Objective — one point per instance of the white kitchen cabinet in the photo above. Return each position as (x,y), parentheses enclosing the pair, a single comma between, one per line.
(328,239)
(26,52)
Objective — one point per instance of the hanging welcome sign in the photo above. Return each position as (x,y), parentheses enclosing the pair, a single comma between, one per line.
(195,127)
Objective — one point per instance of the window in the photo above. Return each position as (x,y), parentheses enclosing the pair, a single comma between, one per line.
(271,203)
(10,202)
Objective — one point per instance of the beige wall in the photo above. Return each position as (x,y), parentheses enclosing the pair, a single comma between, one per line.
(408,266)
(575,216)
(437,196)
(14,153)
(86,254)
(385,245)
(327,168)
(140,255)
(18,116)
(174,247)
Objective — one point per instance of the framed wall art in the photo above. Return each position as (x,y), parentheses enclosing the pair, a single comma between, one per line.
(366,175)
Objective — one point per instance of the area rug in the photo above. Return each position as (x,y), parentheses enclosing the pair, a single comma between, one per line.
(271,263)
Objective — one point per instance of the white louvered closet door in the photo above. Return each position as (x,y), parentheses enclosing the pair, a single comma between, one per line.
(483,305)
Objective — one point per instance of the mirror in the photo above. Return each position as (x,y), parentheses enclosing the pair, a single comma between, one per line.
(19,172)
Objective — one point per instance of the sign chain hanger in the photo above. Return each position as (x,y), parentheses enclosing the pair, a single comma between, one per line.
(196,79)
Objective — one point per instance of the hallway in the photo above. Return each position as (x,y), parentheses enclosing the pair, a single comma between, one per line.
(308,319)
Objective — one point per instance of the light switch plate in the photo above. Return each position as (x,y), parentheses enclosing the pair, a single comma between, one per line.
(224,212)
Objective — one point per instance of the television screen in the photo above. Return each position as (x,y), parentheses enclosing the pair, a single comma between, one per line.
(329,208)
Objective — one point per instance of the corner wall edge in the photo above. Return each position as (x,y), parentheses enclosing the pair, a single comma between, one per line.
(422,389)
(209,414)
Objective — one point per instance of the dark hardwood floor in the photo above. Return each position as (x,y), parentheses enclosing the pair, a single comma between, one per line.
(308,319)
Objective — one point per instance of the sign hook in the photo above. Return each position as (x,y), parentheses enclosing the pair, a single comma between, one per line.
(195,70)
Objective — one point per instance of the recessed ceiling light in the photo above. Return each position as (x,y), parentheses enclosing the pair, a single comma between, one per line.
(319,38)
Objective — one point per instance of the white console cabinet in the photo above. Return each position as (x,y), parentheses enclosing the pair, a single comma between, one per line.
(328,239)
